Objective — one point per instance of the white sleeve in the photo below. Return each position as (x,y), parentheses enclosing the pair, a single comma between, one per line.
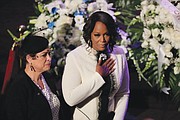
(74,90)
(122,96)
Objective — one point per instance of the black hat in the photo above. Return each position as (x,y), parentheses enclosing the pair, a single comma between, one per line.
(34,44)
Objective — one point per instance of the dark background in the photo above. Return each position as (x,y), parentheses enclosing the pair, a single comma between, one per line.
(13,13)
(145,102)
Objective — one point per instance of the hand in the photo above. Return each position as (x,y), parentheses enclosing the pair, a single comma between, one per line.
(107,68)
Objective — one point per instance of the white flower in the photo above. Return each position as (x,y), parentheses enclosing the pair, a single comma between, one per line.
(167,49)
(166,89)
(125,42)
(157,20)
(151,57)
(154,44)
(79,19)
(67,2)
(151,7)
(155,32)
(91,7)
(73,5)
(63,11)
(63,20)
(179,84)
(144,3)
(177,66)
(146,33)
(80,26)
(144,44)
(103,6)
(150,21)
(159,55)
(175,39)
(45,33)
(176,70)
(57,3)
(166,61)
(41,21)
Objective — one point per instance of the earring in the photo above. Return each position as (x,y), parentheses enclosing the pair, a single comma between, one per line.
(32,68)
(89,43)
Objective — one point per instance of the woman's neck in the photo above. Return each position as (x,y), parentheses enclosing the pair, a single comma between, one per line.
(35,76)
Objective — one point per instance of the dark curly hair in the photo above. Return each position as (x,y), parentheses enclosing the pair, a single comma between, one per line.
(107,20)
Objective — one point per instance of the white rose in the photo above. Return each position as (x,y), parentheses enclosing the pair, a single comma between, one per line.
(166,61)
(67,2)
(157,20)
(154,44)
(166,33)
(144,44)
(41,21)
(79,19)
(177,71)
(155,32)
(170,19)
(175,39)
(144,3)
(167,46)
(146,34)
(56,4)
(141,16)
(163,16)
(73,6)
(179,84)
(178,5)
(91,7)
(151,7)
(158,9)
(150,21)
(45,33)
(62,20)
(151,57)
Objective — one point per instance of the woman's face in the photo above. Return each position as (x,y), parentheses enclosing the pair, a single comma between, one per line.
(42,61)
(100,36)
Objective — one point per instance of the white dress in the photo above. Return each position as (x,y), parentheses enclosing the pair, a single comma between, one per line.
(81,83)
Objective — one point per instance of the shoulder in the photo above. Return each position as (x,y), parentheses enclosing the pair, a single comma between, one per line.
(20,79)
(18,84)
(119,50)
(77,51)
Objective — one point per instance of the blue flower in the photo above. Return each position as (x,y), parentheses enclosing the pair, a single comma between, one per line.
(54,10)
(50,25)
(87,1)
(78,13)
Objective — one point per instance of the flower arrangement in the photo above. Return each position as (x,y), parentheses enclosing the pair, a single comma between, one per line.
(155,45)
(62,23)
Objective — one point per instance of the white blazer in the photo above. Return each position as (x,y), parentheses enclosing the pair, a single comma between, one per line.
(81,83)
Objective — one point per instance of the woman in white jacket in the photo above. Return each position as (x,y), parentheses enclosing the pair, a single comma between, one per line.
(96,76)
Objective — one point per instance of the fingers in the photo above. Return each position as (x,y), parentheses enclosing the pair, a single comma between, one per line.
(106,68)
(109,65)
(99,62)
(111,70)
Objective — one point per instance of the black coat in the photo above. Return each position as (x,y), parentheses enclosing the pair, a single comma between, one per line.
(25,101)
